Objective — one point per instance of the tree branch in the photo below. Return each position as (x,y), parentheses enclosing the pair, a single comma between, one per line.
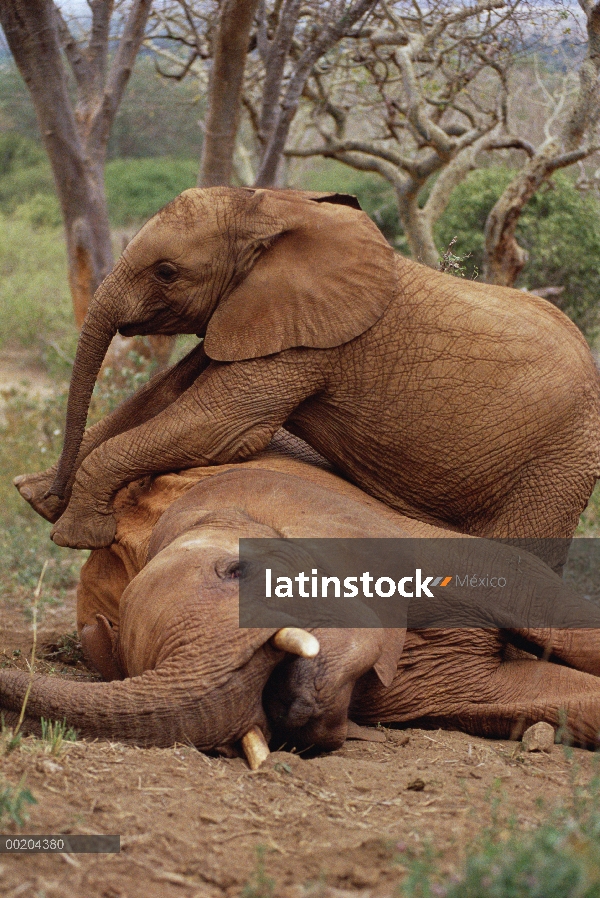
(77,62)
(329,36)
(120,71)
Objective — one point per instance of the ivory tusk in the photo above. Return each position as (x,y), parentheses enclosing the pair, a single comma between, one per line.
(297,642)
(255,748)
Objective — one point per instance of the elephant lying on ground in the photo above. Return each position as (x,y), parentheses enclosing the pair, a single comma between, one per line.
(160,608)
(456,403)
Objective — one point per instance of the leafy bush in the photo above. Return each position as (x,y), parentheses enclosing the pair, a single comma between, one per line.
(559,227)
(137,188)
(18,152)
(22,182)
(42,210)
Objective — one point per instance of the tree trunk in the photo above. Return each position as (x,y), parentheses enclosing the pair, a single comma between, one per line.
(88,240)
(76,139)
(30,29)
(504,259)
(225,91)
(417,227)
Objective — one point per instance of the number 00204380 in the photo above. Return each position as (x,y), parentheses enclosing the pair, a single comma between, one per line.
(34,844)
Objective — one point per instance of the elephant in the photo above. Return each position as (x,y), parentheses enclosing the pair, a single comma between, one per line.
(158,617)
(460,404)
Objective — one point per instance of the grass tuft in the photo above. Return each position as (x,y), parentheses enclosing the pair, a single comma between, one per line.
(12,803)
(55,734)
(260,885)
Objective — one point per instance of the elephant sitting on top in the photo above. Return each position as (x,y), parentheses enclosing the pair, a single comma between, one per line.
(457,403)
(158,615)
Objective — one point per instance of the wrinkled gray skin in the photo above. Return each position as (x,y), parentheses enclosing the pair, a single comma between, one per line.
(453,402)
(193,675)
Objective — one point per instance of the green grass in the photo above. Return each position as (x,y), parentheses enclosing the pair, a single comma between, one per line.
(259,885)
(13,800)
(55,734)
(34,293)
(560,857)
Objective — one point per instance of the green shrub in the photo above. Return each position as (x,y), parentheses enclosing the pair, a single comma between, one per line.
(18,152)
(22,183)
(559,227)
(137,188)
(12,803)
(42,210)
(30,440)
(560,857)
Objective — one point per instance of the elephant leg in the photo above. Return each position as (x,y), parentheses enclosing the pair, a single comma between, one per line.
(459,679)
(541,514)
(526,692)
(228,414)
(576,647)
(102,581)
(160,391)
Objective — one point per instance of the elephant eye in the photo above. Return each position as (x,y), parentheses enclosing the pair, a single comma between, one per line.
(166,272)
(231,569)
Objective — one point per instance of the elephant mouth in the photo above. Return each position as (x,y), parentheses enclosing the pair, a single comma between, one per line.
(158,325)
(163,322)
(294,641)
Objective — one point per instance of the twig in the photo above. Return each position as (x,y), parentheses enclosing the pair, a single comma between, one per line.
(59,352)
(36,597)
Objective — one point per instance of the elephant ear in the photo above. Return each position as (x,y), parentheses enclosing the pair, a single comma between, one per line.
(320,273)
(386,665)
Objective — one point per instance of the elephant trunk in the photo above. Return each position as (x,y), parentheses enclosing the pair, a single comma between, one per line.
(98,329)
(157,708)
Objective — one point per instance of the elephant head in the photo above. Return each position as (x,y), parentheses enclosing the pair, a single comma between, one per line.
(307,700)
(254,272)
(191,673)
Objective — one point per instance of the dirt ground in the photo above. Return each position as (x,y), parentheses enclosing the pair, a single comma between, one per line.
(332,825)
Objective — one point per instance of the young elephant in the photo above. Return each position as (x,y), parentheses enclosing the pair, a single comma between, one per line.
(168,587)
(453,402)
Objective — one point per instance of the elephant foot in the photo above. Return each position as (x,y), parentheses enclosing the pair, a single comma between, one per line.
(90,530)
(34,489)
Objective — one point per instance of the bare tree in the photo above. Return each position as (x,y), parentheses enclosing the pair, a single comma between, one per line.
(421,96)
(284,44)
(229,51)
(76,134)
(569,138)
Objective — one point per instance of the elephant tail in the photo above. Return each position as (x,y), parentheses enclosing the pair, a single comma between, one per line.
(157,708)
